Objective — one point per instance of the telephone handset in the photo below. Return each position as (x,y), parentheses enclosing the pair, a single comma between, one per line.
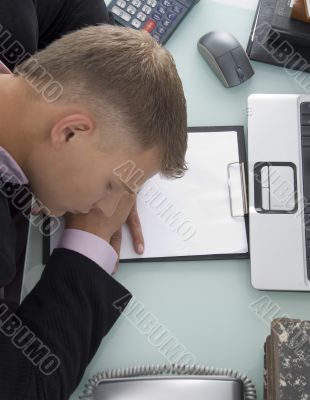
(169,382)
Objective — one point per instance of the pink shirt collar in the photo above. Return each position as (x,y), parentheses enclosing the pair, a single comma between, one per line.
(9,169)
(4,69)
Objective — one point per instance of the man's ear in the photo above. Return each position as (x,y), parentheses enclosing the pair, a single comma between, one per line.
(71,127)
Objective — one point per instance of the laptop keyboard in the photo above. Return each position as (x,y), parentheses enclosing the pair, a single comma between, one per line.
(305,149)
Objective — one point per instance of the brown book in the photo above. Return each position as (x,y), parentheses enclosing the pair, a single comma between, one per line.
(288,360)
(300,11)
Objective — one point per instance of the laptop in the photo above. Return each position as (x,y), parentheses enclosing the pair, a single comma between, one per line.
(279,191)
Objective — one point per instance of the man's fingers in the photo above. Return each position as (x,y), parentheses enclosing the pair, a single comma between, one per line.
(134,226)
(116,241)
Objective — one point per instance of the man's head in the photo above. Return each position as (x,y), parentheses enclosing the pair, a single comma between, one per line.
(121,111)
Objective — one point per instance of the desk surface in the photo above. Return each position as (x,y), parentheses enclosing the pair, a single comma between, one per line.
(207,306)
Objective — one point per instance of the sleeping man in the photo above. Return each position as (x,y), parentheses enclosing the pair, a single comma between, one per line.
(116,101)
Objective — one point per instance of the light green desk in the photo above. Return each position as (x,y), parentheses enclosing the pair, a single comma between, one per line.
(204,304)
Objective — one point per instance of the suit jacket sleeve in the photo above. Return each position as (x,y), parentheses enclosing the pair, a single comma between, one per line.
(47,343)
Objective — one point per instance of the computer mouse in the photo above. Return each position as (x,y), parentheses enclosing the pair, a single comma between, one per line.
(226,57)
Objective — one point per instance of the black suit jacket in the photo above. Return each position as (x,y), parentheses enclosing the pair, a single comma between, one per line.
(46,344)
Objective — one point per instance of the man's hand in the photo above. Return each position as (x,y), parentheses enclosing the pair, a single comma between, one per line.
(134,226)
(97,223)
(109,229)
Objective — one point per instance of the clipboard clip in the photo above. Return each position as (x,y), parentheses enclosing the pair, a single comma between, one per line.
(237,189)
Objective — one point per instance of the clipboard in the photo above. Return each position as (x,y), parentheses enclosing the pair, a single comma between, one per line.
(229,189)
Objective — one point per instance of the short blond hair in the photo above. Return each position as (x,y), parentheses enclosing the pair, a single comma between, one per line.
(126,78)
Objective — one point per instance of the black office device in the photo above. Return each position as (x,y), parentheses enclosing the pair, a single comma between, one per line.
(158,17)
(269,46)
(296,32)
